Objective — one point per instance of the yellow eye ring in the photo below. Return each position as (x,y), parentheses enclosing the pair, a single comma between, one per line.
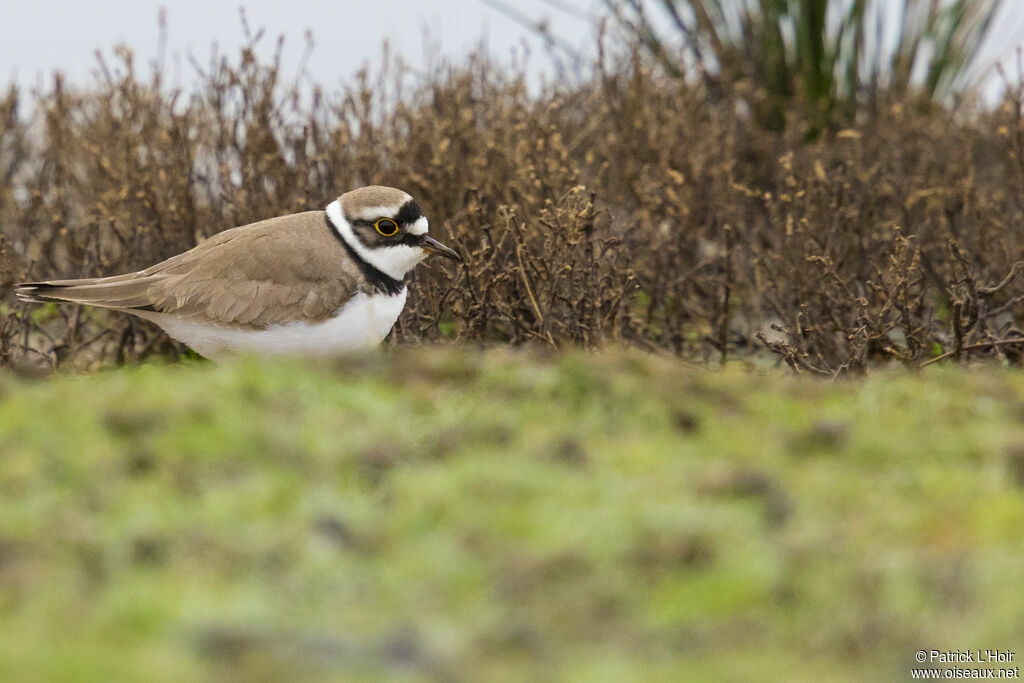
(386,227)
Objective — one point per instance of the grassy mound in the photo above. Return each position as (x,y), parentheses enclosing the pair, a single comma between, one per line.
(440,514)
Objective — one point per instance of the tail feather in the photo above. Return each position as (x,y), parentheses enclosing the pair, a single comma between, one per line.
(121,291)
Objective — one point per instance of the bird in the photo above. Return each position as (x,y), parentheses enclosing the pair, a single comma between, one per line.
(316,283)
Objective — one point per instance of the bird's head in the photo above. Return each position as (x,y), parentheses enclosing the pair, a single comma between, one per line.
(386,228)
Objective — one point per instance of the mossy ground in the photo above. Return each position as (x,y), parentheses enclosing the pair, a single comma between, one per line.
(494,516)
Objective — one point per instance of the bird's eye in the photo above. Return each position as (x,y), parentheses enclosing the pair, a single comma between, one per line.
(386,227)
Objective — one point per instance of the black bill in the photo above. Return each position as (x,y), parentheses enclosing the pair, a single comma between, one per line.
(434,247)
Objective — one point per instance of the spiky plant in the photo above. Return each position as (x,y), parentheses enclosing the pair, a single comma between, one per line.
(833,55)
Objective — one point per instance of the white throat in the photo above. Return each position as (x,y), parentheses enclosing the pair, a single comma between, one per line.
(394,261)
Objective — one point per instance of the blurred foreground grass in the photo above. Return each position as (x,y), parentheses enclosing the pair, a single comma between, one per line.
(477,516)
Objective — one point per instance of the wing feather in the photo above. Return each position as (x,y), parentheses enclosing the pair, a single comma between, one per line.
(275,271)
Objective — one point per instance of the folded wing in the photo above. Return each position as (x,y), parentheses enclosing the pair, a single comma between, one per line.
(261,274)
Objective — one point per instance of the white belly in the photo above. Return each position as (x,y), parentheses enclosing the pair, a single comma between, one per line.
(361,324)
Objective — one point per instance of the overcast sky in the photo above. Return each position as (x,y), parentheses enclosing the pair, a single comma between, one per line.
(38,37)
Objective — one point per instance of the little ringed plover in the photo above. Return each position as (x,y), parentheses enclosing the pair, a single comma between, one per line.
(312,283)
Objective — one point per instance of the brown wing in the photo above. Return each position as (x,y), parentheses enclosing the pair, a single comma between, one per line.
(274,271)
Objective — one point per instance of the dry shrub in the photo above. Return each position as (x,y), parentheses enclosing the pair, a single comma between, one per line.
(629,208)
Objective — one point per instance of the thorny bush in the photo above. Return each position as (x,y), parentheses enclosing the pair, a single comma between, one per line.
(628,208)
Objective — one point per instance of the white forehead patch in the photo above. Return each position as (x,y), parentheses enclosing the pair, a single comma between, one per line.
(420,227)
(369,213)
(392,260)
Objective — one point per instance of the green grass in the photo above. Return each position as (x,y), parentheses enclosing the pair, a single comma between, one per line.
(489,516)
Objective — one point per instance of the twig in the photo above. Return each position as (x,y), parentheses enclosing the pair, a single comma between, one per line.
(1014,271)
(529,292)
(792,357)
(974,347)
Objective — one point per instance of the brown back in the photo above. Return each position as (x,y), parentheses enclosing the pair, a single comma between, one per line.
(275,271)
